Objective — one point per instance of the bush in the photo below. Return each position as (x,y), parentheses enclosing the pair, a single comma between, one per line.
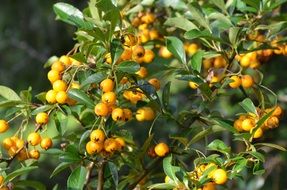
(154,95)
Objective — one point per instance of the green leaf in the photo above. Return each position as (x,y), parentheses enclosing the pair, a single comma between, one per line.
(175,46)
(197,15)
(50,61)
(196,60)
(128,67)
(19,172)
(77,178)
(271,145)
(219,4)
(116,50)
(248,106)
(83,138)
(257,155)
(30,183)
(169,169)
(205,34)
(114,171)
(180,22)
(94,78)
(71,15)
(258,168)
(240,164)
(162,186)
(43,108)
(81,97)
(10,103)
(166,95)
(8,93)
(253,3)
(145,147)
(62,166)
(225,125)
(218,145)
(233,35)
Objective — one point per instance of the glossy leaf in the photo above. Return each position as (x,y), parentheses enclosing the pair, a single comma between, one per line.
(196,60)
(175,46)
(77,178)
(19,172)
(130,67)
(81,97)
(8,93)
(248,106)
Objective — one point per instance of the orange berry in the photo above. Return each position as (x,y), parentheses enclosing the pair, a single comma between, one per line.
(1,180)
(19,143)
(60,85)
(34,138)
(219,62)
(97,135)
(127,114)
(75,85)
(109,98)
(236,81)
(248,124)
(127,54)
(58,66)
(108,58)
(46,143)
(62,97)
(23,155)
(161,149)
(12,151)
(94,147)
(118,114)
(129,40)
(148,56)
(142,72)
(238,125)
(245,61)
(8,143)
(34,154)
(121,142)
(42,118)
(138,51)
(277,112)
(192,49)
(155,83)
(66,60)
(51,96)
(193,85)
(107,85)
(54,76)
(258,133)
(110,145)
(220,176)
(154,34)
(101,109)
(4,126)
(164,52)
(247,81)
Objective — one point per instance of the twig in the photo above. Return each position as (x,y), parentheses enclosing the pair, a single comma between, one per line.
(101,171)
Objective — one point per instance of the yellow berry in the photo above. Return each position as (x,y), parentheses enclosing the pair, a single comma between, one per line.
(161,149)
(62,97)
(46,143)
(60,85)
(35,154)
(42,118)
(236,81)
(54,76)
(4,126)
(34,138)
(58,66)
(94,147)
(109,98)
(101,109)
(220,176)
(51,96)
(97,135)
(107,85)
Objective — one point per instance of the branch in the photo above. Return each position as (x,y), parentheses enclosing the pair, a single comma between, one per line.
(101,171)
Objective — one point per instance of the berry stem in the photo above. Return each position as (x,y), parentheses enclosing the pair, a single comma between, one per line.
(101,171)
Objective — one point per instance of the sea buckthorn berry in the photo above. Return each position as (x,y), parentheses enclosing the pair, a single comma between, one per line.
(236,81)
(8,143)
(154,34)
(54,76)
(138,51)
(58,66)
(164,52)
(101,109)
(129,40)
(51,96)
(248,124)
(219,62)
(117,114)
(110,145)
(142,72)
(193,85)
(220,176)
(108,58)
(12,151)
(128,114)
(23,155)
(97,135)
(278,112)
(238,125)
(46,143)
(272,122)
(192,49)
(161,149)
(209,186)
(121,142)
(62,97)
(60,85)
(149,113)
(245,61)
(34,138)
(155,83)
(109,98)
(4,126)
(19,143)
(34,154)
(247,81)
(148,56)
(107,85)
(127,54)
(258,133)
(42,118)
(148,18)
(66,60)
(94,147)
